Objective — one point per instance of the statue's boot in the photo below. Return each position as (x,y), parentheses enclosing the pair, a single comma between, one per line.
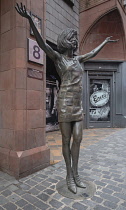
(78,182)
(71,184)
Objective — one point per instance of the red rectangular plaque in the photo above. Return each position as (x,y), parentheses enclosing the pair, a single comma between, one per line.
(36,74)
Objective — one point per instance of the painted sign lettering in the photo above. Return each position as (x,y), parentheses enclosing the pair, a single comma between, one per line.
(99,98)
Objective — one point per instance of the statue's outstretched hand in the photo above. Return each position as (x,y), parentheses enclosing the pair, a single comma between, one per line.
(22,11)
(108,39)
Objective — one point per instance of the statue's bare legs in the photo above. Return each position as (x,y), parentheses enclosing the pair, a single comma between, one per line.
(67,129)
(77,138)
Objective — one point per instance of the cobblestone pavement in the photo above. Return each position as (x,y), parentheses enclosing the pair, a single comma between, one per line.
(90,136)
(103,163)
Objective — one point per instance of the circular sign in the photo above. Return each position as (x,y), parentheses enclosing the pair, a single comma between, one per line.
(99,98)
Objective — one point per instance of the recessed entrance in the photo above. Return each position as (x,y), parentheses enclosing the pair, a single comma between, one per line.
(101,87)
(52,88)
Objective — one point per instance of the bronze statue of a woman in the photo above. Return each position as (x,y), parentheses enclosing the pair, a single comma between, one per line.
(69,104)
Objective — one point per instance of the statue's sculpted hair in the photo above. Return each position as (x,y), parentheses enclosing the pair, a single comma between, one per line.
(63,42)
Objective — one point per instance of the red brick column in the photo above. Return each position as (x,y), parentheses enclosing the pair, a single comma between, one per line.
(23,147)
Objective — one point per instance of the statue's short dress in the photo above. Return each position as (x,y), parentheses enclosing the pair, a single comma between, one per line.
(69,103)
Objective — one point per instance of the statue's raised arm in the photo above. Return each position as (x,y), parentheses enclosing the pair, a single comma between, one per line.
(93,53)
(44,46)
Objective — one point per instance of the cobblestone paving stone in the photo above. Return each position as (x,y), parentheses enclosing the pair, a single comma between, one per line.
(103,162)
(90,136)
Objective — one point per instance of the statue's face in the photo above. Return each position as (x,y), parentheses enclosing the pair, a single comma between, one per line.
(67,40)
(74,41)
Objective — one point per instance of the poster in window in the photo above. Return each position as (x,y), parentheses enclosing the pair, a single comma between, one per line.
(52,88)
(99,100)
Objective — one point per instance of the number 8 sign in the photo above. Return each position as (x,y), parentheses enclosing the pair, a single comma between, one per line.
(35,53)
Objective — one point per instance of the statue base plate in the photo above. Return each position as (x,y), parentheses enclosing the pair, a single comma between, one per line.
(82,193)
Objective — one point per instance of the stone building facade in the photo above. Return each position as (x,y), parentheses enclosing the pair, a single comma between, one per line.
(22,109)
(104,78)
(60,15)
(23,148)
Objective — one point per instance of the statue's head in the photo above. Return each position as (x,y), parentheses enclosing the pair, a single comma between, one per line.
(67,40)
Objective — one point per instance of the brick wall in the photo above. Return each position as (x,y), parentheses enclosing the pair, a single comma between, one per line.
(108,25)
(86,4)
(60,15)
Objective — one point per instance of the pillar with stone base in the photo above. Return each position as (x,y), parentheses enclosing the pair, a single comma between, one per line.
(23,148)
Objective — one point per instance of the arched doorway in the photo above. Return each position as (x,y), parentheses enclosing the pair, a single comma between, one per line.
(103,74)
(108,25)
